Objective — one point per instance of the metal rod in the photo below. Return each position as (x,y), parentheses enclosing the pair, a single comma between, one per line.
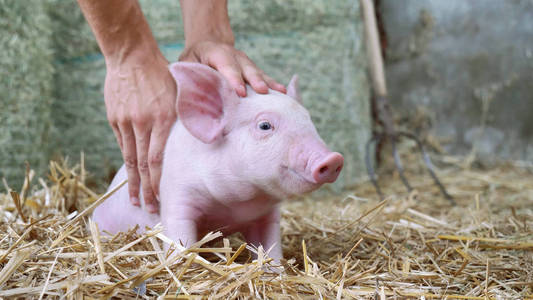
(368,162)
(398,163)
(429,165)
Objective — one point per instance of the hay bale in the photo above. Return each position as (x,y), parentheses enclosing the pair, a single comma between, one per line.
(80,122)
(273,17)
(79,118)
(72,36)
(26,84)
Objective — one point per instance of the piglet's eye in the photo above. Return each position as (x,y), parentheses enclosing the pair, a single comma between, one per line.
(264,125)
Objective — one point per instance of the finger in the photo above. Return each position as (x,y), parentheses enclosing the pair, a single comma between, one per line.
(273,84)
(188,56)
(159,137)
(228,66)
(130,160)
(117,135)
(252,75)
(142,139)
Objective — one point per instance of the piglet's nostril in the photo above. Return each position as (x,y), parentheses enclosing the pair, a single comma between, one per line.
(328,169)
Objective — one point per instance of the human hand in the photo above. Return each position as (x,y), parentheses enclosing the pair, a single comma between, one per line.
(140,98)
(234,65)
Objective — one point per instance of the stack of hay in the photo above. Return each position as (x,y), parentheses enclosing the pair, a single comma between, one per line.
(353,247)
(26,86)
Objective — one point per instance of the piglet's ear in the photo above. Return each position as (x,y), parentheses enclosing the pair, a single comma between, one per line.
(292,89)
(204,99)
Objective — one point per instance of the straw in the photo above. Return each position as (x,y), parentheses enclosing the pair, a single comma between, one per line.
(337,247)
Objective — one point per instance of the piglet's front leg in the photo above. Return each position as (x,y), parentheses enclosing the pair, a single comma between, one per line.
(180,223)
(266,232)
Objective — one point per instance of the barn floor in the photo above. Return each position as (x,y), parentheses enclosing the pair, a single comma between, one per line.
(354,246)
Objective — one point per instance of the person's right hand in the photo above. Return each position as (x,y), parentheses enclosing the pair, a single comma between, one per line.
(140,98)
(234,65)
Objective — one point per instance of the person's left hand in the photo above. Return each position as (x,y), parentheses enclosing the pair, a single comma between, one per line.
(233,64)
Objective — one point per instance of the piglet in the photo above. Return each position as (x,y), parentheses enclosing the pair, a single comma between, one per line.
(228,163)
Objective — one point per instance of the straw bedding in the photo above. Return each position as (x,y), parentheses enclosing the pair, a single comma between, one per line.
(407,246)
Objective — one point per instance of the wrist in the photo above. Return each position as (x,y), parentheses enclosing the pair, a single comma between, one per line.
(216,35)
(206,20)
(134,54)
(130,42)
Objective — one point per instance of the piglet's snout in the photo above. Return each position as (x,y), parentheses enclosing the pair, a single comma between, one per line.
(328,168)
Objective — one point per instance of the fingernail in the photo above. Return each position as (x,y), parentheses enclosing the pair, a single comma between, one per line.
(135,201)
(263,85)
(241,90)
(152,208)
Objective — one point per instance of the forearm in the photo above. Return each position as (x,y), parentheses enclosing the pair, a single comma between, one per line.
(120,29)
(206,20)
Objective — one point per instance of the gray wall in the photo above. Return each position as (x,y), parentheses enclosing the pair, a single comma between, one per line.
(470,65)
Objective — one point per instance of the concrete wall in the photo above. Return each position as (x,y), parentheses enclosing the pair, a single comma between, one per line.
(469,64)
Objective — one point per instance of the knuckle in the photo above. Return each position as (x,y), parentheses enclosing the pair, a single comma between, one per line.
(123,120)
(130,162)
(143,166)
(141,118)
(155,187)
(112,119)
(225,47)
(134,190)
(148,195)
(268,78)
(156,159)
(235,73)
(270,81)
(257,75)
(238,72)
(165,116)
(241,54)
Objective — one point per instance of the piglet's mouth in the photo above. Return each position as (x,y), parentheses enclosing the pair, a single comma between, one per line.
(296,175)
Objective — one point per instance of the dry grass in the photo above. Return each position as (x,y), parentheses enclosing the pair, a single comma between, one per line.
(408,246)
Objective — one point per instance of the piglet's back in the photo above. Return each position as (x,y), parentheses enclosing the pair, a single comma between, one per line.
(117,214)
